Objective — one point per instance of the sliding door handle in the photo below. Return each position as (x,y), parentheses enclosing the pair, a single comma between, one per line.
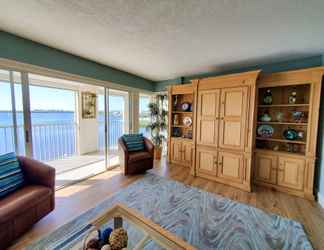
(26,136)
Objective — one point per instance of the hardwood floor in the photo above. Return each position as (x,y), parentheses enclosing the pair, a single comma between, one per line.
(74,200)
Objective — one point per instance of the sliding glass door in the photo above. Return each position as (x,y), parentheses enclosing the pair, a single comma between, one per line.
(72,126)
(12,134)
(118,122)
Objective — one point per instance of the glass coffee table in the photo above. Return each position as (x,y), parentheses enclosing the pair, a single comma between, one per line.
(142,232)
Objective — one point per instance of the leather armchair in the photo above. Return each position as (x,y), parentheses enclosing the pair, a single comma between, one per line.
(27,205)
(138,161)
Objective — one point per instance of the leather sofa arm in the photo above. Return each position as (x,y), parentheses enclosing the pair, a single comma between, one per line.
(37,172)
(149,146)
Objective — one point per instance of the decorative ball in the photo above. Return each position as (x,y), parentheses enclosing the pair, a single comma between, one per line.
(93,244)
(118,239)
(104,234)
(106,247)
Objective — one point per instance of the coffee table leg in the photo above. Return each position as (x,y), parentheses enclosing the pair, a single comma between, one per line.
(118,222)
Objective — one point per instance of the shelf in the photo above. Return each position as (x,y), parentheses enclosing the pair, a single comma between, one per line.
(283,105)
(285,123)
(181,126)
(180,138)
(182,112)
(281,140)
(280,152)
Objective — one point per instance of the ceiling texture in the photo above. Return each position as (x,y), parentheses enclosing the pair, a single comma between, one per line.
(166,39)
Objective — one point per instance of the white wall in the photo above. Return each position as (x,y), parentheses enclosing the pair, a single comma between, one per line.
(88,128)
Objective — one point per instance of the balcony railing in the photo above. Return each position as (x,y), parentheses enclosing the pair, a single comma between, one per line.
(55,141)
(50,141)
(115,130)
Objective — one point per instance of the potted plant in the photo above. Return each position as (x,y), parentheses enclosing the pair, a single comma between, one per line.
(158,124)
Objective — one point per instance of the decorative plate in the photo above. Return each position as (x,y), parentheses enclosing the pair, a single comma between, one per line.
(187,121)
(265,131)
(185,106)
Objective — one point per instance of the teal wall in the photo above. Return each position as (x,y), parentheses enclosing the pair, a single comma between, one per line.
(26,51)
(266,68)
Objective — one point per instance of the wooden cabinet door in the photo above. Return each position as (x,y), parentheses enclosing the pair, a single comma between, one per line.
(206,161)
(266,168)
(207,117)
(176,151)
(291,172)
(230,166)
(233,117)
(187,153)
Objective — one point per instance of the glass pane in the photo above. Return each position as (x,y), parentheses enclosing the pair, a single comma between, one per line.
(53,122)
(10,143)
(144,115)
(118,120)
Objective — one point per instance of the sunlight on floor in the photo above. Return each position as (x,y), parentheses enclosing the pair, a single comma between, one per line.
(82,186)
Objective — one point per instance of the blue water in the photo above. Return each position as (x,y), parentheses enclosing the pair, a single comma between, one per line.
(54,133)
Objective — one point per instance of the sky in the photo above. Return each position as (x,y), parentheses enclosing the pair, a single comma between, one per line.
(43,98)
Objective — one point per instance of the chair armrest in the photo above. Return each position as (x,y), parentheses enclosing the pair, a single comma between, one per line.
(37,172)
(149,146)
(123,148)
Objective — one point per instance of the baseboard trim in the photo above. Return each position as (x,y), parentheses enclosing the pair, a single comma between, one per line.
(320,199)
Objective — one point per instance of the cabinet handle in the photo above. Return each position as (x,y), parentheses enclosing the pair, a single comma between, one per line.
(220,163)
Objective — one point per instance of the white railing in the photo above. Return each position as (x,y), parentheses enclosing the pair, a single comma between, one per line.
(115,130)
(50,141)
(55,141)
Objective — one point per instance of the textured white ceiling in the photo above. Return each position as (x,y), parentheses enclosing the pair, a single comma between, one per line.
(163,39)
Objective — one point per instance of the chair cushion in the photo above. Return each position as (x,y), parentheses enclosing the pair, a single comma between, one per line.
(134,142)
(138,156)
(11,175)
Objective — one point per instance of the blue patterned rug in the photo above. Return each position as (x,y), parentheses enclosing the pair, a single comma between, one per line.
(205,220)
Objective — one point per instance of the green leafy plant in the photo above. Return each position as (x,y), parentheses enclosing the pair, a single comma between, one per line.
(158,123)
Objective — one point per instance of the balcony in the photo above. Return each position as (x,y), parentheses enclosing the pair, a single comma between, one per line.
(57,144)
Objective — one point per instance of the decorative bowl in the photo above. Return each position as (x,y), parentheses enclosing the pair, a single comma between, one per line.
(290,134)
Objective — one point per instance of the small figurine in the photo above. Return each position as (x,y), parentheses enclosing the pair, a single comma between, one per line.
(279,116)
(293,97)
(267,98)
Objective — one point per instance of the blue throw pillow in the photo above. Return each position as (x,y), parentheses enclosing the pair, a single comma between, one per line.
(11,175)
(134,142)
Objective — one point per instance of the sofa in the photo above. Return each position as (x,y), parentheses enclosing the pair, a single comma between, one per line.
(22,208)
(135,162)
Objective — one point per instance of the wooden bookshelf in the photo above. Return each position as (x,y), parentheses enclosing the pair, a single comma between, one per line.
(284,163)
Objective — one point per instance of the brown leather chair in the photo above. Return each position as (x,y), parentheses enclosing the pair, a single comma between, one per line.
(27,205)
(137,161)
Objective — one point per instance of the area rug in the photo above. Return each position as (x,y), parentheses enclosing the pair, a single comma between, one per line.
(205,220)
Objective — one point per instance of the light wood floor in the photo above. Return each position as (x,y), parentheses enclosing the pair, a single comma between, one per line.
(74,200)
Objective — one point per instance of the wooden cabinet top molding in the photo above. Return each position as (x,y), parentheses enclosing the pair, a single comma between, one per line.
(231,80)
(301,76)
(187,88)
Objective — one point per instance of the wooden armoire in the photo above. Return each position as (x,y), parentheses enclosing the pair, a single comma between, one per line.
(223,120)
